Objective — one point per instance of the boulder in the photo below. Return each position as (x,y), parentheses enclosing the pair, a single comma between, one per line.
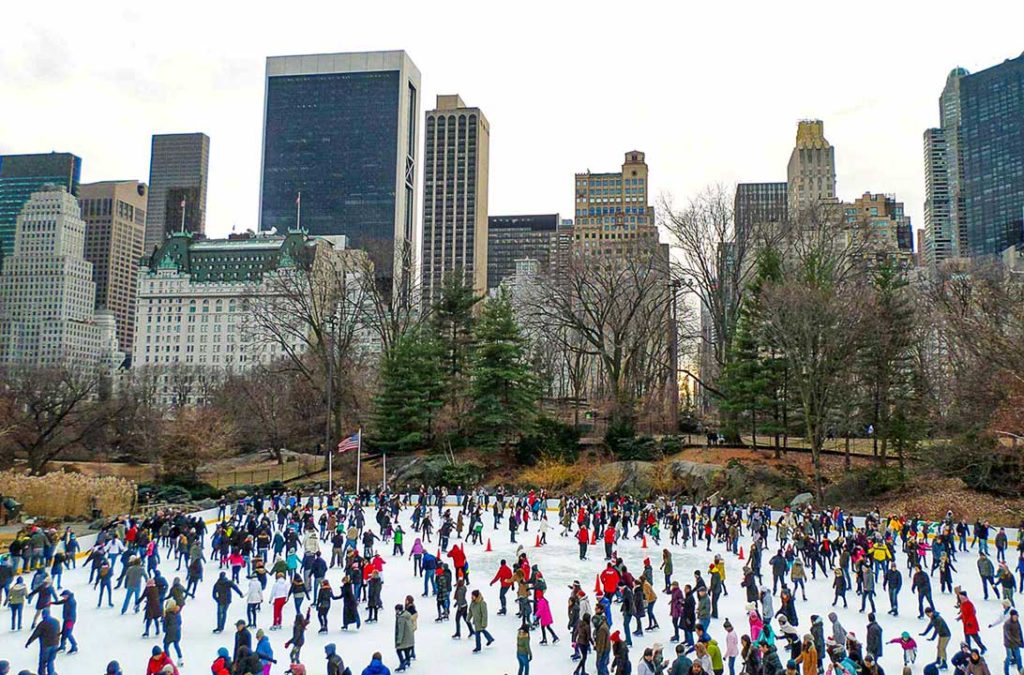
(801,499)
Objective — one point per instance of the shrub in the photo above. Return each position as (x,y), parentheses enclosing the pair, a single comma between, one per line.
(552,476)
(639,449)
(982,463)
(551,440)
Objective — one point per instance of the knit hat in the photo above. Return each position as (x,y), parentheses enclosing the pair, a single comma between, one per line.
(113,668)
(615,637)
(157,650)
(727,625)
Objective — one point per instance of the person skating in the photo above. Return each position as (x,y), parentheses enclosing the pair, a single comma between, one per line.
(968,616)
(523,652)
(937,630)
(546,621)
(478,619)
(298,638)
(264,651)
(172,629)
(47,632)
(461,610)
(159,662)
(405,639)
(69,616)
(504,578)
(222,590)
(222,664)
(620,655)
(376,666)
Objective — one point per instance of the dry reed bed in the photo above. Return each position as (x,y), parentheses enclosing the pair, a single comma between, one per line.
(68,495)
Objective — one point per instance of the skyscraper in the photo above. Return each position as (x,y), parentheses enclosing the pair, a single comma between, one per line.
(949,123)
(941,236)
(759,204)
(992,134)
(612,213)
(884,222)
(178,167)
(115,226)
(341,129)
(47,295)
(811,175)
(456,152)
(512,238)
(21,175)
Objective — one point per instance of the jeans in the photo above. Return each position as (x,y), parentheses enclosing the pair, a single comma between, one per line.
(1012,658)
(626,618)
(983,545)
(602,663)
(404,658)
(177,648)
(524,664)
(129,593)
(46,658)
(222,616)
(732,665)
(66,636)
(16,611)
(429,582)
(483,632)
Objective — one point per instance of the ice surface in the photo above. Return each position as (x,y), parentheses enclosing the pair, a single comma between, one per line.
(105,634)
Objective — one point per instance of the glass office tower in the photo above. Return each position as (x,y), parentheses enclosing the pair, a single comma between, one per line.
(21,175)
(341,129)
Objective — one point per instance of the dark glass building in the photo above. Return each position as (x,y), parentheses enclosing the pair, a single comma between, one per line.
(178,168)
(511,238)
(759,204)
(341,129)
(21,175)
(992,130)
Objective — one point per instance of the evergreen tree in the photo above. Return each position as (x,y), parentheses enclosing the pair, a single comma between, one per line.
(751,380)
(452,319)
(503,388)
(410,393)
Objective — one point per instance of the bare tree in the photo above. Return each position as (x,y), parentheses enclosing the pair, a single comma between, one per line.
(54,410)
(817,315)
(714,264)
(613,310)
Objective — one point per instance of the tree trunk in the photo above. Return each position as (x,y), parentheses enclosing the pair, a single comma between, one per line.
(846,457)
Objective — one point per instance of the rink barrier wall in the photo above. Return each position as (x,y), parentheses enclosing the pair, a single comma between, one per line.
(553,505)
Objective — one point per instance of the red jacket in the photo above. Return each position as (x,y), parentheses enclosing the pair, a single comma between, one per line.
(610,580)
(458,557)
(609,535)
(504,575)
(157,663)
(969,617)
(583,536)
(219,667)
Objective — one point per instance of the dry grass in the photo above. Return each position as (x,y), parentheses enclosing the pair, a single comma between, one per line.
(553,477)
(68,495)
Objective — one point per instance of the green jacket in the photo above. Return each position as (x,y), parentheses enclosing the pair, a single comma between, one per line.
(405,635)
(478,614)
(523,645)
(715,652)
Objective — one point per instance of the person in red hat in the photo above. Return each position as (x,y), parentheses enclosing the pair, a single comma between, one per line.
(620,654)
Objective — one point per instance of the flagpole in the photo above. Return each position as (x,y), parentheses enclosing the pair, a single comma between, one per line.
(183,216)
(359,460)
(385,471)
(330,470)
(298,211)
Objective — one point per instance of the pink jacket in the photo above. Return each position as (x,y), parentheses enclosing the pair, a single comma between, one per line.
(756,625)
(544,612)
(732,644)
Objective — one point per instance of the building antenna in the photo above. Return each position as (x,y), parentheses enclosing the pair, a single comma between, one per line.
(298,210)
(183,215)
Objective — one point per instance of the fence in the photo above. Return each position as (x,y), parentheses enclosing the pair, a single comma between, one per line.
(260,475)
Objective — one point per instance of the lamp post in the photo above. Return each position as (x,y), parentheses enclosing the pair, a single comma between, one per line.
(328,446)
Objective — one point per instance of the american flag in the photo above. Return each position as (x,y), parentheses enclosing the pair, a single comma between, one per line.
(349,443)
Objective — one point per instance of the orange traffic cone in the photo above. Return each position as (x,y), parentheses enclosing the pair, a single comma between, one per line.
(536,544)
(597,584)
(741,553)
(488,549)
(643,542)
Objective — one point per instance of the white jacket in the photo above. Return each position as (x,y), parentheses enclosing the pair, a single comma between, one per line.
(254,595)
(279,589)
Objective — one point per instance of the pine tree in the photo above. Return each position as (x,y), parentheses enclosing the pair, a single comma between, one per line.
(410,393)
(452,319)
(503,388)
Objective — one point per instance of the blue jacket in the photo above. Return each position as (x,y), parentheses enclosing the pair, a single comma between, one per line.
(264,650)
(376,668)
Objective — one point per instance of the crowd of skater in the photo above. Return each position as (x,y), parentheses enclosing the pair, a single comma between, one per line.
(271,554)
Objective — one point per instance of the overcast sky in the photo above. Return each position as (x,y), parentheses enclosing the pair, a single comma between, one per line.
(711,91)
